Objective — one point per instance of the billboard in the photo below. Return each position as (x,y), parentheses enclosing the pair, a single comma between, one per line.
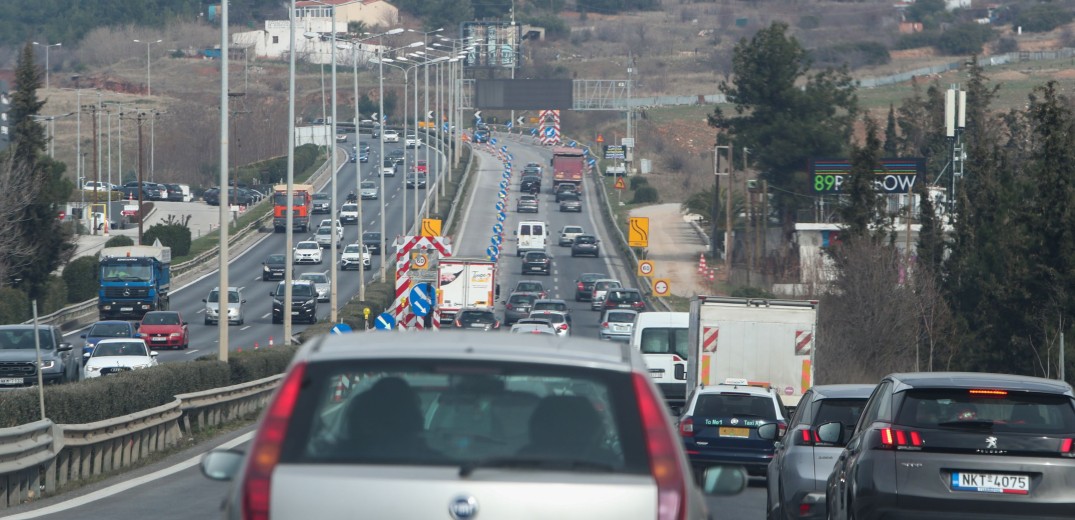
(523,94)
(896,175)
(497,44)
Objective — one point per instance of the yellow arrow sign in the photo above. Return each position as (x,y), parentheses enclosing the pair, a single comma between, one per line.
(638,231)
(431,227)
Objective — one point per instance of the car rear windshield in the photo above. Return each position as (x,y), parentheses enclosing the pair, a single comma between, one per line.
(110,330)
(297,291)
(843,411)
(585,240)
(522,298)
(664,340)
(624,296)
(620,317)
(735,405)
(485,317)
(553,317)
(529,286)
(1012,411)
(550,306)
(467,414)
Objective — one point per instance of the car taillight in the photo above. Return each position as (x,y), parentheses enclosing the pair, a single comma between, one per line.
(265,451)
(1067,448)
(896,438)
(806,438)
(458,325)
(510,307)
(781,428)
(666,465)
(604,325)
(563,326)
(496,324)
(686,427)
(581,286)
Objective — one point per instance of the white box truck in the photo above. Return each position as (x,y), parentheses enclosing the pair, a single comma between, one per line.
(762,341)
(465,283)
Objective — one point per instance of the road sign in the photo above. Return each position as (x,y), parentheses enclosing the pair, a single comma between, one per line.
(499,206)
(503,184)
(638,230)
(573,144)
(645,268)
(620,184)
(600,138)
(385,321)
(419,260)
(498,228)
(492,252)
(615,152)
(661,287)
(431,227)
(366,313)
(496,240)
(429,115)
(341,328)
(501,217)
(422,296)
(550,132)
(492,140)
(520,120)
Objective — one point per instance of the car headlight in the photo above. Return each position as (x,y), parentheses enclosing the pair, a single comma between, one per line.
(137,367)
(48,363)
(265,268)
(310,303)
(175,334)
(93,369)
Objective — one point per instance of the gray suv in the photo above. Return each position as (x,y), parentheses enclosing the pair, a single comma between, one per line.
(801,463)
(464,427)
(18,356)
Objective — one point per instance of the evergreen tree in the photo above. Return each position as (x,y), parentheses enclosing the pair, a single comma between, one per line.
(861,211)
(931,241)
(891,137)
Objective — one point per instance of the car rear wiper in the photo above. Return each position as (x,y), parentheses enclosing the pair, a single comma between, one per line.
(531,463)
(983,425)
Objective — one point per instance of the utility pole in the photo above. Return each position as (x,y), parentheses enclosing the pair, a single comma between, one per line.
(96,164)
(141,170)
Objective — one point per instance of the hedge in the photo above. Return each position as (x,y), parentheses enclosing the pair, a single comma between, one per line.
(80,275)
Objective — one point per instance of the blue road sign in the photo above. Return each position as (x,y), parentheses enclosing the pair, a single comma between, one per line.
(385,321)
(499,205)
(341,328)
(492,140)
(586,152)
(421,298)
(498,228)
(507,175)
(550,132)
(533,131)
(504,149)
(500,217)
(510,158)
(503,193)
(573,144)
(496,240)
(492,252)
(420,308)
(592,162)
(503,183)
(509,125)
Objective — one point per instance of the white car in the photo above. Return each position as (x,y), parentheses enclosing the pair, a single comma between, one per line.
(328,221)
(390,136)
(324,236)
(561,321)
(307,252)
(354,255)
(533,326)
(370,191)
(117,355)
(321,282)
(412,141)
(97,186)
(568,234)
(349,213)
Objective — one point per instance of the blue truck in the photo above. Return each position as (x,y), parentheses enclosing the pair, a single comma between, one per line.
(133,281)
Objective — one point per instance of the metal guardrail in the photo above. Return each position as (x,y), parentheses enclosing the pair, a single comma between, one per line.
(38,458)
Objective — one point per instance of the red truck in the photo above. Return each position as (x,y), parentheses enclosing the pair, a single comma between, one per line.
(303,200)
(567,166)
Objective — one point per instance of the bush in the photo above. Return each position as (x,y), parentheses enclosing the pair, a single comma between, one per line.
(1007,44)
(916,40)
(119,241)
(638,181)
(175,236)
(55,296)
(252,365)
(14,306)
(1042,18)
(645,194)
(751,292)
(80,277)
(964,39)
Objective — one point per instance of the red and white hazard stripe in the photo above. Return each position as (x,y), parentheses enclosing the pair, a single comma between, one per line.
(709,338)
(804,342)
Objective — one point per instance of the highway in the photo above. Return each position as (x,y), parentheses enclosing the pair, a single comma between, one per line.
(175,489)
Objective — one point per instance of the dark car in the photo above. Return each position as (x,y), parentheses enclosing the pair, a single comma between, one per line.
(107,329)
(481,134)
(175,192)
(948,444)
(303,301)
(240,196)
(352,157)
(570,201)
(476,319)
(584,285)
(211,196)
(585,245)
(527,204)
(372,240)
(564,188)
(274,267)
(416,180)
(322,203)
(363,156)
(537,262)
(131,193)
(530,184)
(518,306)
(801,463)
(150,190)
(623,298)
(532,169)
(18,356)
(396,156)
(534,286)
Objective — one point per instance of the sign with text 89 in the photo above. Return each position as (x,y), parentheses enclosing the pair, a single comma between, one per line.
(892,175)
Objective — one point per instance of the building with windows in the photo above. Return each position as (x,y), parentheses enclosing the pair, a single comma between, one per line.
(316,17)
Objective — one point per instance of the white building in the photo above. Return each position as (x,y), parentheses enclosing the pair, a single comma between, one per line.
(312,37)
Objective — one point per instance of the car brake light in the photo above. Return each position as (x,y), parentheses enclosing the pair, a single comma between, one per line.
(563,326)
(665,462)
(604,325)
(989,393)
(895,438)
(1067,448)
(496,324)
(806,438)
(581,286)
(686,427)
(265,450)
(510,307)
(782,428)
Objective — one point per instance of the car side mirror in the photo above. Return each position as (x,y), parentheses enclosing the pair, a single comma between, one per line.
(83,336)
(242,301)
(86,355)
(724,480)
(221,465)
(64,347)
(154,353)
(186,323)
(831,433)
(768,431)
(204,300)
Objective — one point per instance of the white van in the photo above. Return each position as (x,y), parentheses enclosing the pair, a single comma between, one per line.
(532,235)
(662,339)
(187,195)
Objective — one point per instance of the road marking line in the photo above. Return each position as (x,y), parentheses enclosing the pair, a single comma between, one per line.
(124,486)
(189,352)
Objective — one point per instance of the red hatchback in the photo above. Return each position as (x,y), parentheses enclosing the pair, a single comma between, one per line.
(164,329)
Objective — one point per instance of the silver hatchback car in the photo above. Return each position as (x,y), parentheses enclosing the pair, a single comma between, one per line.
(463,427)
(801,463)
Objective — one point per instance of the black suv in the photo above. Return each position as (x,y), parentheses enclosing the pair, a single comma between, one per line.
(623,298)
(537,261)
(372,239)
(584,285)
(175,193)
(942,444)
(530,184)
(476,319)
(274,267)
(565,187)
(18,357)
(303,301)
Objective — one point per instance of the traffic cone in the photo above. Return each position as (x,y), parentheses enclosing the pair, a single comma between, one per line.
(701,263)
(270,341)
(712,275)
(337,396)
(255,345)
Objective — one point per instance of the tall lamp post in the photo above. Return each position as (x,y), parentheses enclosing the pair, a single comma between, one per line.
(149,82)
(46,46)
(222,324)
(51,129)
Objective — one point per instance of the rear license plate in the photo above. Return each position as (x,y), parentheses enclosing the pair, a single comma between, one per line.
(10,380)
(991,483)
(657,373)
(726,431)
(160,339)
(126,309)
(294,313)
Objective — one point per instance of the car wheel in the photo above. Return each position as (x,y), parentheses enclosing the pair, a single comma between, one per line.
(277,321)
(573,255)
(208,322)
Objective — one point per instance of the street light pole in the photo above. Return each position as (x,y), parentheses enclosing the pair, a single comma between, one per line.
(149,79)
(225,207)
(289,233)
(332,151)
(46,46)
(358,180)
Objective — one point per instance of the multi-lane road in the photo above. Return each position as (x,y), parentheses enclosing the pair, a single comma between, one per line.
(178,491)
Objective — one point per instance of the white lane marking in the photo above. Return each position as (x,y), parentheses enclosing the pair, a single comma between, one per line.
(191,351)
(124,486)
(245,327)
(266,315)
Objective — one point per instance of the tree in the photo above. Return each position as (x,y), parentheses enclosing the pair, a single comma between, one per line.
(784,115)
(891,137)
(862,207)
(80,275)
(49,243)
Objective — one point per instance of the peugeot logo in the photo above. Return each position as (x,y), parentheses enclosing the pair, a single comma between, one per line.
(463,508)
(990,442)
(126,291)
